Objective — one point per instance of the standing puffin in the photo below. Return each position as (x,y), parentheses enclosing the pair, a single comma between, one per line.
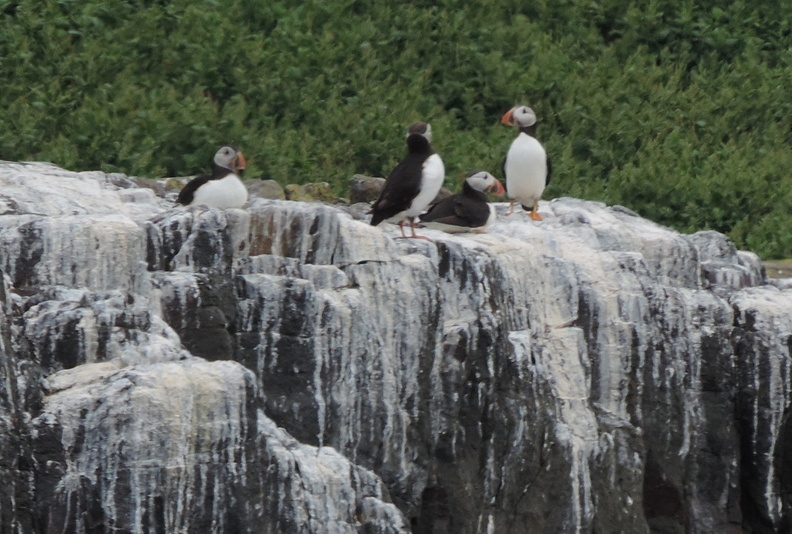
(413,183)
(222,188)
(466,211)
(527,167)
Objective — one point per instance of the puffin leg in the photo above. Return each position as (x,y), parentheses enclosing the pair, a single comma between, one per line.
(534,213)
(414,235)
(401,227)
(511,207)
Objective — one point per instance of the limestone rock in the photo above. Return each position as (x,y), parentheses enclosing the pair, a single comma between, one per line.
(289,368)
(130,442)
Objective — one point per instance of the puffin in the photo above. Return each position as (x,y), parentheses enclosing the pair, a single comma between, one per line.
(527,167)
(413,183)
(469,210)
(222,188)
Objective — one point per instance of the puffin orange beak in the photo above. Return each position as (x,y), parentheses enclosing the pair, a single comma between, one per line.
(508,117)
(497,188)
(240,162)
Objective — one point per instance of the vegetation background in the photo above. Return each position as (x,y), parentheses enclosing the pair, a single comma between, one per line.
(679,110)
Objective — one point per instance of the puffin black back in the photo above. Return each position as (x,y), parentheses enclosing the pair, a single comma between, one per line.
(404,181)
(187,194)
(467,208)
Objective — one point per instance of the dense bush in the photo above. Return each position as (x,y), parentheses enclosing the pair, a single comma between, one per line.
(676,110)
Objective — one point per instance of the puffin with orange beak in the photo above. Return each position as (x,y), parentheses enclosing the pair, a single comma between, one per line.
(527,166)
(469,210)
(222,188)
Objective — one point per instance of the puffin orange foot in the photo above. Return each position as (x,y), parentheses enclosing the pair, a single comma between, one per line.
(535,216)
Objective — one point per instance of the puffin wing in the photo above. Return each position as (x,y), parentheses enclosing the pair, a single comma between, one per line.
(549,171)
(444,212)
(187,194)
(473,206)
(466,209)
(401,187)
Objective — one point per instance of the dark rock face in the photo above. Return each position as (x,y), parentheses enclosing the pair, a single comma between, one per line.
(288,368)
(16,454)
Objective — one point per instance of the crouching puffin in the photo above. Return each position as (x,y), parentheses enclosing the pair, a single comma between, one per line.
(413,183)
(222,188)
(527,167)
(466,211)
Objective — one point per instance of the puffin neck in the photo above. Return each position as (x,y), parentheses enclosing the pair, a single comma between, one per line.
(530,130)
(219,172)
(418,143)
(471,191)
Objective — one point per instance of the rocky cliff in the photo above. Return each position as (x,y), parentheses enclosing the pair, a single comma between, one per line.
(287,368)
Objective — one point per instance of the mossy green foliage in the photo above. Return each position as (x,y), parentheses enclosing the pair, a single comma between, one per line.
(678,110)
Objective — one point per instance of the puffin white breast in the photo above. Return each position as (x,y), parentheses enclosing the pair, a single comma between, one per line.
(227,192)
(432,176)
(526,169)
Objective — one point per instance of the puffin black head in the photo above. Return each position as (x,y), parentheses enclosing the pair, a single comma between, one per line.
(485,182)
(419,137)
(421,128)
(228,159)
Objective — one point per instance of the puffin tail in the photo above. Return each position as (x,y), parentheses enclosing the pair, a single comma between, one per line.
(377,218)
